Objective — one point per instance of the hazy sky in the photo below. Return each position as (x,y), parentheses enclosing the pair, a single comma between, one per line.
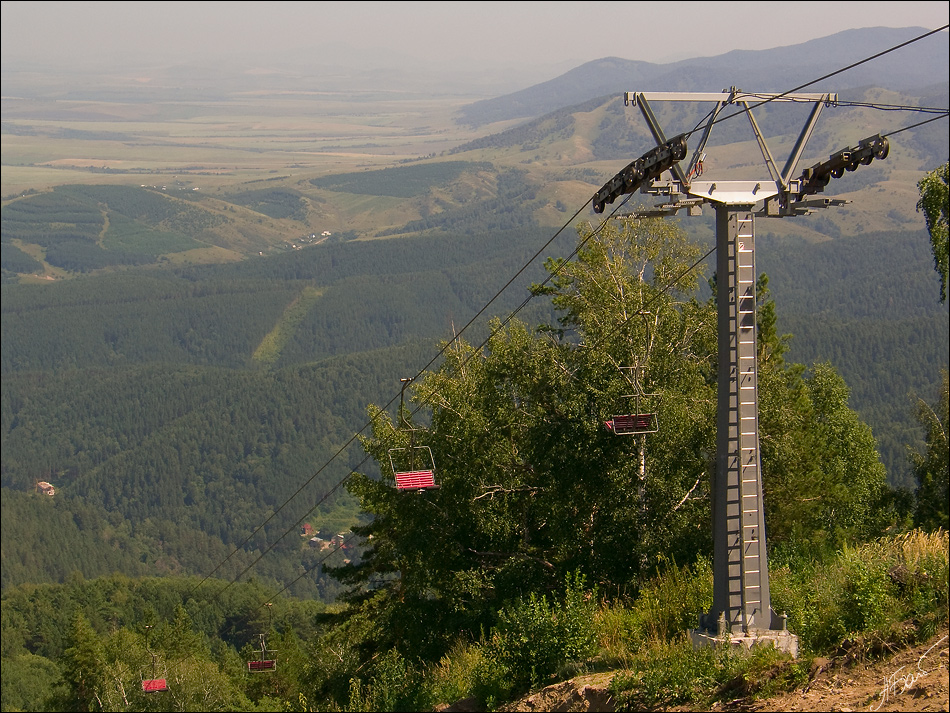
(488,33)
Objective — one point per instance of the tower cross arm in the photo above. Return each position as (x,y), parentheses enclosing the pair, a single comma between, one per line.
(730,97)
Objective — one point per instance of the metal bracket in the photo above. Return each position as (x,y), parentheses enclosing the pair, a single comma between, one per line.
(777,193)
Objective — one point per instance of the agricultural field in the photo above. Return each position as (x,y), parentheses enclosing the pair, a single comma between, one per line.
(254,163)
(217,141)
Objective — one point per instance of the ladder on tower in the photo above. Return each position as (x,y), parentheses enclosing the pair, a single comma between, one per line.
(745,589)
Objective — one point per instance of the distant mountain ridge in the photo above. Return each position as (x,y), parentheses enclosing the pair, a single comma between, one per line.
(917,65)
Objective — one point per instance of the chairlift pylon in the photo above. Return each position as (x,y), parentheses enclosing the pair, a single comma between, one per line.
(413,467)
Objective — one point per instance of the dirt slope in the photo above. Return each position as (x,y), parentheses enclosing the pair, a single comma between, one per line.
(912,679)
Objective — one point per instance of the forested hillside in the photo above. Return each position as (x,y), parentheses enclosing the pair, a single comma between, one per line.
(152,400)
(868,305)
(505,577)
(165,409)
(766,70)
(160,395)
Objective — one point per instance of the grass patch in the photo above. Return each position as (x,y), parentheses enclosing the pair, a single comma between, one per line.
(271,346)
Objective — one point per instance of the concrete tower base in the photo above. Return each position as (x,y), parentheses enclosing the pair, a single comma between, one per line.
(776,638)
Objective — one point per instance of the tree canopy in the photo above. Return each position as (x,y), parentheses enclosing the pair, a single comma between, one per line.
(533,487)
(933,466)
(935,205)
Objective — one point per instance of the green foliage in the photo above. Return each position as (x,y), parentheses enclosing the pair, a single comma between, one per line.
(275,202)
(673,673)
(38,619)
(469,670)
(83,665)
(85,228)
(126,235)
(102,397)
(933,467)
(393,686)
(83,256)
(209,450)
(821,471)
(151,206)
(138,319)
(534,638)
(127,658)
(27,682)
(771,672)
(866,591)
(867,601)
(270,348)
(935,205)
(375,296)
(47,218)
(93,633)
(509,209)
(862,598)
(532,487)
(665,606)
(866,305)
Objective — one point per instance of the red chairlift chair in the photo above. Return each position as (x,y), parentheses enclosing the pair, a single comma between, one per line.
(413,467)
(262,664)
(643,419)
(153,684)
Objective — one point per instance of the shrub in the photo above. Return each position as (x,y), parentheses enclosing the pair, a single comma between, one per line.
(867,599)
(466,670)
(668,605)
(469,670)
(866,590)
(672,673)
(533,638)
(394,686)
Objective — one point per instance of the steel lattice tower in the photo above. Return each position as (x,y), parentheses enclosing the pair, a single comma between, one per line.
(741,612)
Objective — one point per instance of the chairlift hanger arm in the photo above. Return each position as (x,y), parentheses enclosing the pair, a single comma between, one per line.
(405,381)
